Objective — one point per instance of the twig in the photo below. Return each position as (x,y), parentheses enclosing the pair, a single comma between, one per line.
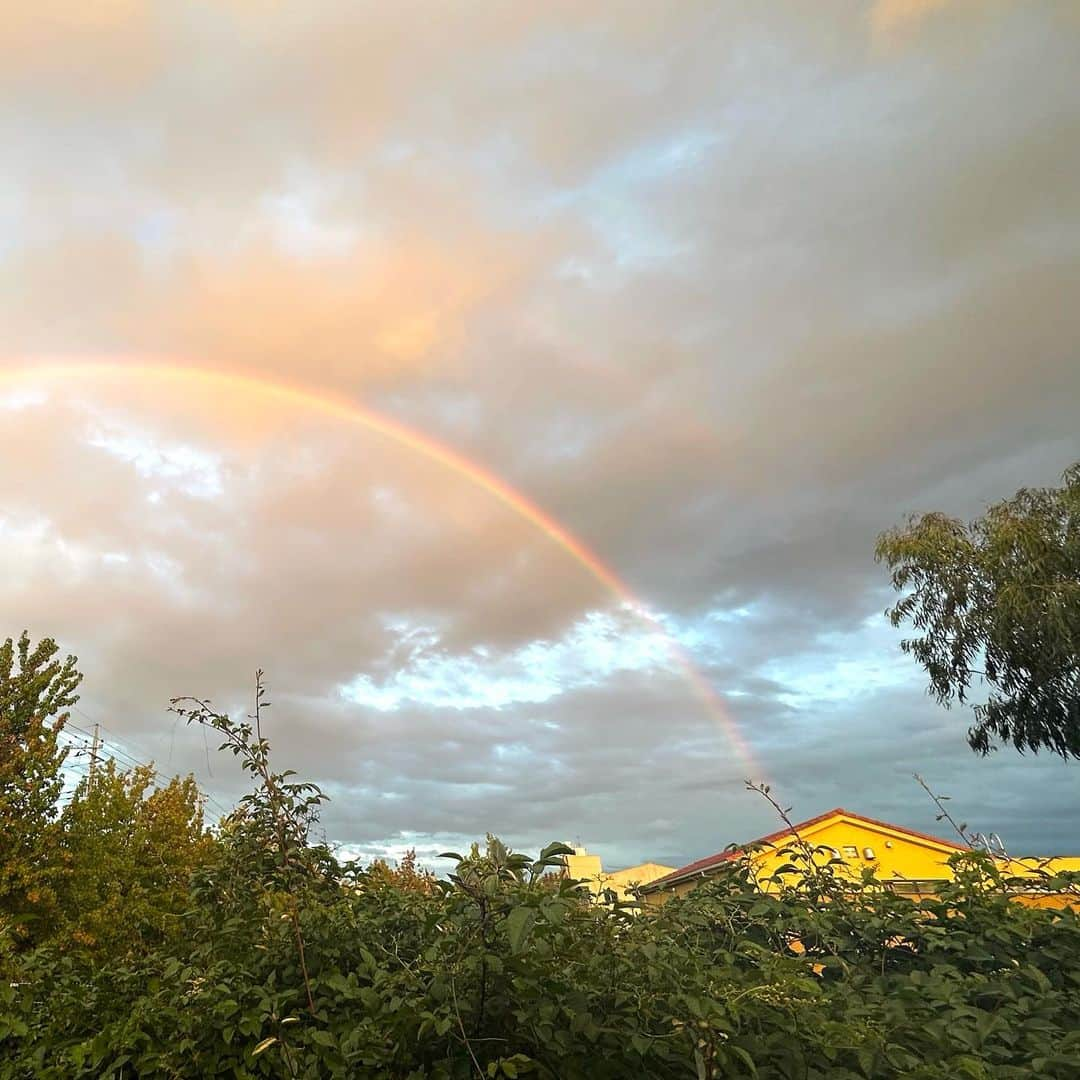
(279,812)
(945,815)
(766,793)
(461,1028)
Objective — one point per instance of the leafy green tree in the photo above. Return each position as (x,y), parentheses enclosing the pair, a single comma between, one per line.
(127,850)
(996,603)
(36,690)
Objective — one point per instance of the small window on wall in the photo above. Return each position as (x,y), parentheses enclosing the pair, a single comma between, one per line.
(851,851)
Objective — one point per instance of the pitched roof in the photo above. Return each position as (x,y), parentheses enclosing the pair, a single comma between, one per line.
(702,866)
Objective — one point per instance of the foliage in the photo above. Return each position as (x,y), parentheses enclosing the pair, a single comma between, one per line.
(495,976)
(293,965)
(127,851)
(36,689)
(408,874)
(1003,593)
(267,837)
(108,874)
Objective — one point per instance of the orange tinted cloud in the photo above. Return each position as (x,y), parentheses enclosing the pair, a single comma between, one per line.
(359,317)
(892,19)
(726,292)
(107,45)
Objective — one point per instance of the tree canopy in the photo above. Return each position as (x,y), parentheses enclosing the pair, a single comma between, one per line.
(126,853)
(996,606)
(36,689)
(107,873)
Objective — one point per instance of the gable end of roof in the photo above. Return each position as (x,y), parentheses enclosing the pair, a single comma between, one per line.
(701,867)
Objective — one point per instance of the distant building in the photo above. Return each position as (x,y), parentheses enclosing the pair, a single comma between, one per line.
(910,862)
(586,867)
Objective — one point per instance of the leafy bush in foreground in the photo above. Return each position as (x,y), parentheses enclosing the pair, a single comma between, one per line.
(291,964)
(501,974)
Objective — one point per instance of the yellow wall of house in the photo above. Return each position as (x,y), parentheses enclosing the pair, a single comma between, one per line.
(1038,867)
(913,863)
(1058,864)
(584,866)
(893,854)
(587,867)
(624,881)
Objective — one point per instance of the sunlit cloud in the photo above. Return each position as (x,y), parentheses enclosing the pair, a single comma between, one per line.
(194,472)
(721,296)
(890,16)
(596,649)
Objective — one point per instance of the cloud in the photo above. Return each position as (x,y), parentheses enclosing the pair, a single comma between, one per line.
(109,45)
(596,649)
(889,16)
(725,294)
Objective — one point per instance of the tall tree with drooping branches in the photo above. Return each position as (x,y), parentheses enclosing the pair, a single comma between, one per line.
(996,607)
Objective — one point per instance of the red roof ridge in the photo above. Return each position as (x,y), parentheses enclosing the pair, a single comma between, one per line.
(700,866)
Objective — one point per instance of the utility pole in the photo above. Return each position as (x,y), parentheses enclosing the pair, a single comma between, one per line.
(93,753)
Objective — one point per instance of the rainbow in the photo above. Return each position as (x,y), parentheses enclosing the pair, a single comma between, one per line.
(351,412)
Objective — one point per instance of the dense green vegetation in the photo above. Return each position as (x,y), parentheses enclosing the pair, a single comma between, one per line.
(160,950)
(996,605)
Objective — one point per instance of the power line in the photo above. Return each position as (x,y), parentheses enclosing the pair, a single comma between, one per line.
(116,751)
(105,727)
(135,761)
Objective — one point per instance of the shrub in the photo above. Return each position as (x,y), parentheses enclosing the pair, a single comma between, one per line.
(292,964)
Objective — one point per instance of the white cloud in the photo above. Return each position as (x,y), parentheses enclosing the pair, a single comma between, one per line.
(188,469)
(596,648)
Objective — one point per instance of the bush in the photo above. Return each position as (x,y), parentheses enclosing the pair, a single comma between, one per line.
(292,964)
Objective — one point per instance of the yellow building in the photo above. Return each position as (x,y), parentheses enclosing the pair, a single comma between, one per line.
(912,862)
(586,867)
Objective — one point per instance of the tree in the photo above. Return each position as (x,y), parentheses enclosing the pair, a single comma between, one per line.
(408,875)
(997,605)
(36,689)
(127,852)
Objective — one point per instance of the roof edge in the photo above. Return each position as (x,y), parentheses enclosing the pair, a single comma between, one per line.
(702,867)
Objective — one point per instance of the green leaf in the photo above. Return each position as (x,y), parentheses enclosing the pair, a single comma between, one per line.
(110,1071)
(518,924)
(744,1056)
(556,849)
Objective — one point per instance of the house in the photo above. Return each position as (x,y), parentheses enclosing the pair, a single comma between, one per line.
(584,866)
(912,862)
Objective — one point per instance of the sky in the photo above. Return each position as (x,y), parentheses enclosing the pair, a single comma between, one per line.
(523,387)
